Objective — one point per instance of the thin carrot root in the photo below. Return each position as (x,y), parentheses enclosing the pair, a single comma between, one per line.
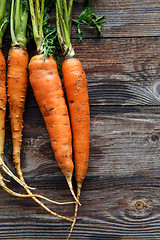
(46,208)
(52,201)
(9,172)
(3,185)
(79,187)
(72,191)
(20,174)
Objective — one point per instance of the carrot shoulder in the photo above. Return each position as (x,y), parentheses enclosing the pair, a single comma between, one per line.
(49,95)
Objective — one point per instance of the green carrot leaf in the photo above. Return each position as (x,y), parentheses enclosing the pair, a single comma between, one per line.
(87,17)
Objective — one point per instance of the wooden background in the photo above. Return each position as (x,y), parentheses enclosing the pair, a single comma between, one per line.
(121,194)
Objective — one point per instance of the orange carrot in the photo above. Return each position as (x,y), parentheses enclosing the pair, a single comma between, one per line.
(4,19)
(17,82)
(3,99)
(77,94)
(47,88)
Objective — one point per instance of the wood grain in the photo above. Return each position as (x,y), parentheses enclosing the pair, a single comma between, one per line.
(126,18)
(120,196)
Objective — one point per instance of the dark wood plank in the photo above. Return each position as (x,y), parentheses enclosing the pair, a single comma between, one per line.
(124,72)
(120,195)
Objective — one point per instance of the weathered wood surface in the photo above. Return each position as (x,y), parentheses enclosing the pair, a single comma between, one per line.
(121,194)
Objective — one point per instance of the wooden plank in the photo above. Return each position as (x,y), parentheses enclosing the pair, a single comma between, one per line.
(120,195)
(126,18)
(124,72)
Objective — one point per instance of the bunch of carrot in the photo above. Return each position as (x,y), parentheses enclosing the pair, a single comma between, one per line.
(62,122)
(17,79)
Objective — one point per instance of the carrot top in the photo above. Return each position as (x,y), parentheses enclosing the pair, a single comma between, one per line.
(37,15)
(4,17)
(87,17)
(43,34)
(18,22)
(64,20)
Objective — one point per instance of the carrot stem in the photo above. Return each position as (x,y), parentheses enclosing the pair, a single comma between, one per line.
(63,30)
(9,172)
(37,11)
(41,21)
(18,23)
(13,36)
(2,8)
(4,17)
(66,14)
(17,14)
(70,15)
(39,41)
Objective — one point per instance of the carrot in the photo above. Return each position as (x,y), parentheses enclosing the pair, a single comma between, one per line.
(77,94)
(4,18)
(17,80)
(3,98)
(48,92)
(47,88)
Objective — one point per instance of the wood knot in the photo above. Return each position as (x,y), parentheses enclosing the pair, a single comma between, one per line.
(140,205)
(154,138)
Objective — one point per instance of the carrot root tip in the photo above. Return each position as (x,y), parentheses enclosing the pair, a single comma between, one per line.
(72,191)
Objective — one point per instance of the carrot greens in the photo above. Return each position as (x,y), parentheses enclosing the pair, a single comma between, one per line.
(87,17)
(18,23)
(4,17)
